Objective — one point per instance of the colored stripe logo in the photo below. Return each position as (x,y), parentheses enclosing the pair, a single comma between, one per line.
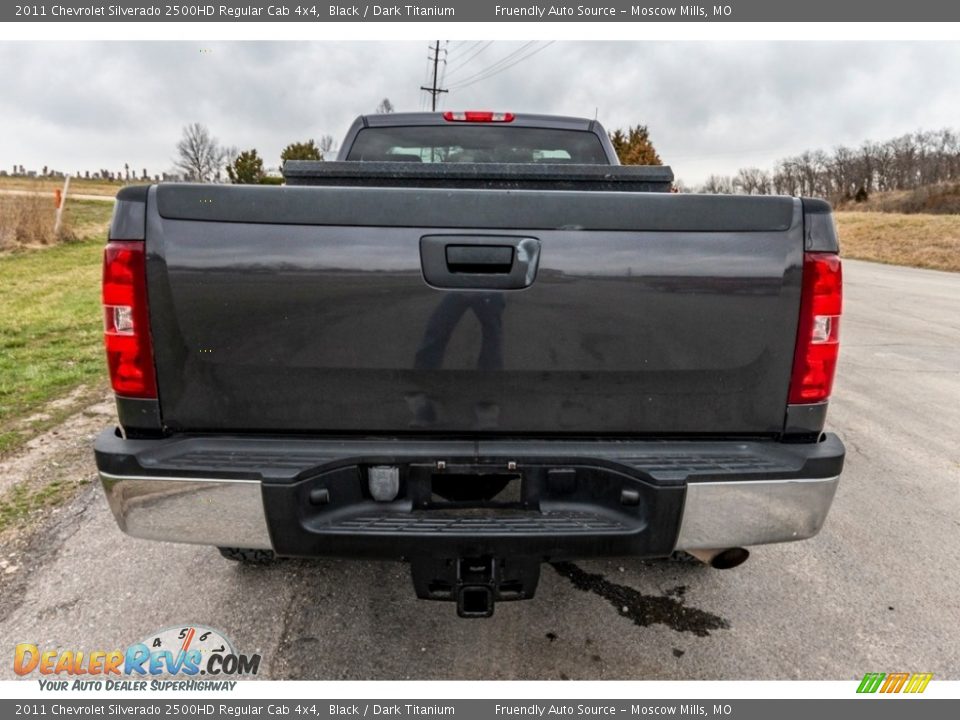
(894,682)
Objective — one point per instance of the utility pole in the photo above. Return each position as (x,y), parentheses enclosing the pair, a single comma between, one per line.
(434,91)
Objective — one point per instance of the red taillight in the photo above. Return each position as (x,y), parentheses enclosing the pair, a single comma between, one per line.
(478,116)
(818,333)
(126,327)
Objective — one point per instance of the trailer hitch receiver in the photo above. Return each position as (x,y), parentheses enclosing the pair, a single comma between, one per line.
(475,583)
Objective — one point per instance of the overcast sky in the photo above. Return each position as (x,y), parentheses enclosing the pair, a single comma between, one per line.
(710,107)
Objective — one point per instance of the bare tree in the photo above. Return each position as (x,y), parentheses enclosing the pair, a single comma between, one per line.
(718,185)
(326,146)
(752,181)
(385,106)
(229,155)
(908,162)
(200,157)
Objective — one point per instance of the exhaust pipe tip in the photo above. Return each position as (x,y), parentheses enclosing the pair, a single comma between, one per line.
(724,559)
(730,558)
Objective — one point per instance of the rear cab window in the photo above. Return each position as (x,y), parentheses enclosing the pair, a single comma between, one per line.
(477,143)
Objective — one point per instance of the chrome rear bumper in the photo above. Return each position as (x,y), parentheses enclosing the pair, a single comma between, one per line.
(223,512)
(230,512)
(719,515)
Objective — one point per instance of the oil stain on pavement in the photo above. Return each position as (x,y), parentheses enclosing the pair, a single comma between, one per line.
(644,610)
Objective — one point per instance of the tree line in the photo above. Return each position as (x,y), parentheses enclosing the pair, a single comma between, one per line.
(907,162)
(202,158)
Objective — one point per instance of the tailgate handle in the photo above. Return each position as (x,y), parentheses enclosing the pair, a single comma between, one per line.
(481,262)
(479,258)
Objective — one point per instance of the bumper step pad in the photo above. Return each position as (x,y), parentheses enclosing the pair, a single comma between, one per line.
(502,522)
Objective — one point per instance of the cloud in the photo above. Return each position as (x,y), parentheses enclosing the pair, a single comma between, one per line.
(710,107)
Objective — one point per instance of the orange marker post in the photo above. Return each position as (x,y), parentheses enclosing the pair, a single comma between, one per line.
(61,197)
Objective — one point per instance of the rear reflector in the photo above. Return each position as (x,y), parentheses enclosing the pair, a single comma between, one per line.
(126,326)
(818,333)
(478,116)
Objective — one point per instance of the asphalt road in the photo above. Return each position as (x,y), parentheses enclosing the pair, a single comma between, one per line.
(877,590)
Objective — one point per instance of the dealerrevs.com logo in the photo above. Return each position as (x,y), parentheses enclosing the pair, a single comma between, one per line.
(186,652)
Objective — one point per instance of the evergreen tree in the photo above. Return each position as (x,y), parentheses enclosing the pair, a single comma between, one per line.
(246,169)
(301,151)
(634,147)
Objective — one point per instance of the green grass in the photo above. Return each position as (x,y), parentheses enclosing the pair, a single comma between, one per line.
(22,501)
(50,325)
(88,218)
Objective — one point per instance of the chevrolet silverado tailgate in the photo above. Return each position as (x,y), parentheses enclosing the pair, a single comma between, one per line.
(451,311)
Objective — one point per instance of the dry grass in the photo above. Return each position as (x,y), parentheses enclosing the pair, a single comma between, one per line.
(88,218)
(47,186)
(925,241)
(28,221)
(940,199)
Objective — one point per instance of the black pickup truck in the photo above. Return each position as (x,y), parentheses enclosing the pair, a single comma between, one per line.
(474,343)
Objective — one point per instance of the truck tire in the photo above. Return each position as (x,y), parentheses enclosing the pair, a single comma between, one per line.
(248,556)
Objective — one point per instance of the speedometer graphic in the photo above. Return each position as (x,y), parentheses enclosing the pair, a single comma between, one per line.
(180,640)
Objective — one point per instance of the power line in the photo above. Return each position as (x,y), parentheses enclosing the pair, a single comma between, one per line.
(502,64)
(463,59)
(434,90)
(462,48)
(426,79)
(426,69)
(472,55)
(493,70)
(501,61)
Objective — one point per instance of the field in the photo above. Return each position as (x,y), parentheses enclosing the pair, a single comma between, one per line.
(48,185)
(925,241)
(88,218)
(27,221)
(938,199)
(50,328)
